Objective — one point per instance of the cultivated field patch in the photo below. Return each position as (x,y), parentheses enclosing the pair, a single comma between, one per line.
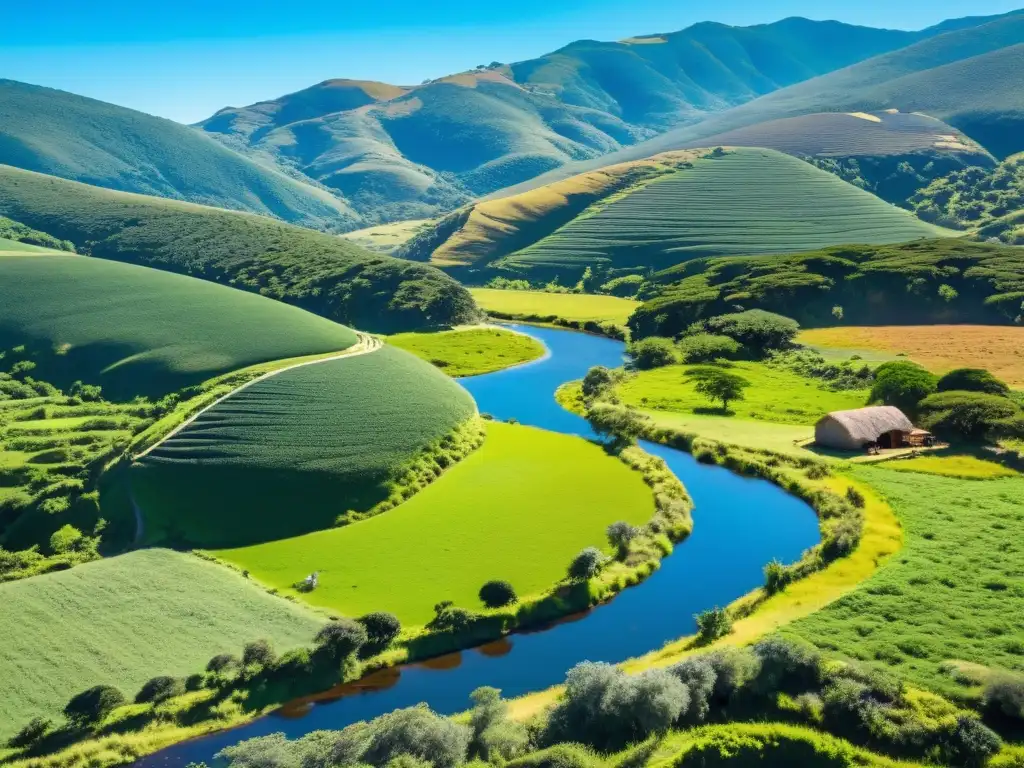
(940,348)
(139,331)
(517,509)
(470,351)
(124,620)
(569,306)
(290,454)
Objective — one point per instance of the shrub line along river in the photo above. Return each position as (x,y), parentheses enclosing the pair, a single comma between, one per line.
(740,524)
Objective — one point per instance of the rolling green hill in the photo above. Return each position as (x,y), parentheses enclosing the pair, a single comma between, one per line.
(82,139)
(413,152)
(139,331)
(940,75)
(124,620)
(873,285)
(323,274)
(289,454)
(746,201)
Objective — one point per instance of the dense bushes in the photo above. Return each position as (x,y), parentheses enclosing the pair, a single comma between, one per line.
(757,330)
(587,564)
(902,384)
(93,705)
(495,594)
(382,628)
(972,380)
(967,415)
(653,352)
(704,347)
(160,689)
(341,639)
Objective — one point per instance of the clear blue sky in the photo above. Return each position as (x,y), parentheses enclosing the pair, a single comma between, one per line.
(184,59)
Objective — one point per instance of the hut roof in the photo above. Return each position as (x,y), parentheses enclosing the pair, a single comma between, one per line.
(868,423)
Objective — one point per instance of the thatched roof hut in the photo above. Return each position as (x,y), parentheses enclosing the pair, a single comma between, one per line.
(884,425)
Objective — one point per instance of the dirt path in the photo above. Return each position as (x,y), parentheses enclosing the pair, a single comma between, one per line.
(363,346)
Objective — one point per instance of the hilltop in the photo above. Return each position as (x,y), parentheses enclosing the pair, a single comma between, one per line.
(139,331)
(73,137)
(320,273)
(665,210)
(939,76)
(413,152)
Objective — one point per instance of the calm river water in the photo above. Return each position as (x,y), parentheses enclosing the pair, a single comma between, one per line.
(740,524)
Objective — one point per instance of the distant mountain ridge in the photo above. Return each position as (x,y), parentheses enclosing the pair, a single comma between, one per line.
(395,152)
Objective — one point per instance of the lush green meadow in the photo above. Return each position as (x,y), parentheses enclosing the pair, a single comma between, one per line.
(16,246)
(850,285)
(945,464)
(746,202)
(289,454)
(517,509)
(125,620)
(953,594)
(318,272)
(140,331)
(470,351)
(569,306)
(774,395)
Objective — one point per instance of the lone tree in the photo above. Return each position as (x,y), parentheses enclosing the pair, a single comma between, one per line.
(597,380)
(495,594)
(717,384)
(902,384)
(587,564)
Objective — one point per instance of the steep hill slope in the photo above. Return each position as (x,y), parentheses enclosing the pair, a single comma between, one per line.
(139,331)
(409,153)
(941,76)
(744,201)
(82,139)
(323,274)
(872,284)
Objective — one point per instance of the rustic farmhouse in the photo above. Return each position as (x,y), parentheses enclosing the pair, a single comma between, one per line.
(880,426)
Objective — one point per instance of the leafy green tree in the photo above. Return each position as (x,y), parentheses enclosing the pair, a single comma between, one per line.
(708,347)
(495,594)
(902,384)
(597,381)
(33,732)
(94,704)
(972,380)
(620,535)
(756,329)
(947,293)
(966,415)
(653,352)
(221,663)
(65,539)
(159,689)
(381,628)
(621,425)
(712,624)
(258,654)
(719,385)
(587,564)
(341,638)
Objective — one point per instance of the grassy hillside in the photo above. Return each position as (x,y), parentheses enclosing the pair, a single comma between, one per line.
(290,454)
(413,152)
(546,497)
(73,137)
(318,272)
(470,351)
(871,285)
(747,201)
(125,620)
(949,599)
(938,76)
(139,331)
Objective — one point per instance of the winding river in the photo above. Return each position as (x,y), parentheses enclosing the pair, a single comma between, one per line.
(740,524)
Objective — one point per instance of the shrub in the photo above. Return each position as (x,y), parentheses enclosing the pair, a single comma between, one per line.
(65,539)
(93,705)
(258,654)
(717,384)
(195,682)
(607,709)
(341,639)
(712,624)
(1004,697)
(972,380)
(653,352)
(776,577)
(221,663)
(627,285)
(494,737)
(855,497)
(159,689)
(966,415)
(620,534)
(786,665)
(449,618)
(31,734)
(970,744)
(757,330)
(707,347)
(902,384)
(699,676)
(495,594)
(381,628)
(735,669)
(420,733)
(597,380)
(621,425)
(587,564)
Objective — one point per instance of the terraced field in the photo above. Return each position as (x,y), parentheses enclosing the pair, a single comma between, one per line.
(125,620)
(289,454)
(140,331)
(749,201)
(517,509)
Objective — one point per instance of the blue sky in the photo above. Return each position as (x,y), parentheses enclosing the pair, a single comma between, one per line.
(184,59)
